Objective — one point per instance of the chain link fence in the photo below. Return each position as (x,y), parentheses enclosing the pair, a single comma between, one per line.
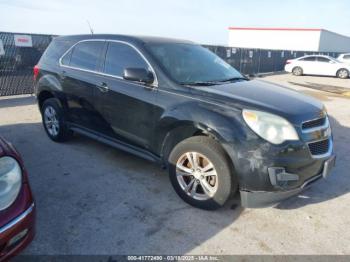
(20,52)
(18,55)
(257,61)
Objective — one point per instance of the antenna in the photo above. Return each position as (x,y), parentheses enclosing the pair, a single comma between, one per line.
(91,30)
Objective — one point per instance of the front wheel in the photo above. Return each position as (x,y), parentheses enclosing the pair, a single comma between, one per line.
(343,73)
(200,173)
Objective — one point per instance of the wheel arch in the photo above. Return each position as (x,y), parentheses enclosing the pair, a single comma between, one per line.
(44,95)
(48,86)
(192,129)
(179,133)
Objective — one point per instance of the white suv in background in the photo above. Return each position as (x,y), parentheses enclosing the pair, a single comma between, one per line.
(344,58)
(317,65)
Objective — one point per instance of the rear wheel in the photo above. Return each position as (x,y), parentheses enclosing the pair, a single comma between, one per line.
(54,122)
(343,73)
(200,173)
(297,71)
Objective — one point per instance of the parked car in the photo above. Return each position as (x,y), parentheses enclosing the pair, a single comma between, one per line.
(317,65)
(344,58)
(17,210)
(178,104)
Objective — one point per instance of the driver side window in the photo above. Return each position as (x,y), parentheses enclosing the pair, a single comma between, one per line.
(120,56)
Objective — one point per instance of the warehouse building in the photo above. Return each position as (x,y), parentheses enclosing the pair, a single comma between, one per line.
(297,39)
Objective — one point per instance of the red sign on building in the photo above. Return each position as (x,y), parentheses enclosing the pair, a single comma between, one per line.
(23,40)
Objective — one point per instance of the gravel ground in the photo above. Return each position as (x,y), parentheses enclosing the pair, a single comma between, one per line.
(331,85)
(93,199)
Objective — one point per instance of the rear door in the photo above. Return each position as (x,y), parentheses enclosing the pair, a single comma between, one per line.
(127,107)
(79,77)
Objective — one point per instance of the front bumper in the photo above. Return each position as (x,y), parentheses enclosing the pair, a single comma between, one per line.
(257,199)
(17,234)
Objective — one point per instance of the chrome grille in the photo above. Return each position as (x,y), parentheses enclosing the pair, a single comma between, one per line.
(314,123)
(320,147)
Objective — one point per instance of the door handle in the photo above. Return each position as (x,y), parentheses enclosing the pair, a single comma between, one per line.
(103,87)
(63,74)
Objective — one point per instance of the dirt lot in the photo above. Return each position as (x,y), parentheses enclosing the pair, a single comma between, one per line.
(93,199)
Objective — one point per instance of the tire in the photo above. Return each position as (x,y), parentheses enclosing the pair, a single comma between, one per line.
(297,71)
(217,188)
(54,122)
(343,73)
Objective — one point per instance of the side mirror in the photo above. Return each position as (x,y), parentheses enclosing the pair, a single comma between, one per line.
(141,75)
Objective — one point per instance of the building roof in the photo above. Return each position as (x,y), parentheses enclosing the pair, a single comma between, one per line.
(283,29)
(275,29)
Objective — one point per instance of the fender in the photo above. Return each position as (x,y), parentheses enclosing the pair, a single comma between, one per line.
(51,87)
(197,117)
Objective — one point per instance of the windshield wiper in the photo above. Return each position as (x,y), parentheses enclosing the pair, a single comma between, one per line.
(199,83)
(232,79)
(213,83)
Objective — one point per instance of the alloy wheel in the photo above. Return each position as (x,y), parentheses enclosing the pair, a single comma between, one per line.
(197,176)
(51,121)
(297,71)
(343,73)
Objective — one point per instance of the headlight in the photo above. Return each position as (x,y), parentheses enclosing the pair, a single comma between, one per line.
(272,128)
(10,181)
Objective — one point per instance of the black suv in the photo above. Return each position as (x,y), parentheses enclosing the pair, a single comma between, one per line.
(176,103)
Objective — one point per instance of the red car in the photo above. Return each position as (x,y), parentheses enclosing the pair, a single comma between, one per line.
(17,209)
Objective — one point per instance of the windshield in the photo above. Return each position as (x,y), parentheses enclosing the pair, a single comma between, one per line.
(332,59)
(193,64)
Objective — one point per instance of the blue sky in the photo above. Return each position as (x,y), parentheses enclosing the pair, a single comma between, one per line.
(203,21)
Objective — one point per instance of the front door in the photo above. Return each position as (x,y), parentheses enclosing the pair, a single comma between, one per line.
(128,107)
(326,66)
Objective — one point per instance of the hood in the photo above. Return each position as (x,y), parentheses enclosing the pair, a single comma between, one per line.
(264,96)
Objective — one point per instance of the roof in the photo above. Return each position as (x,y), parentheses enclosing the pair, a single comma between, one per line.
(143,39)
(326,56)
(274,29)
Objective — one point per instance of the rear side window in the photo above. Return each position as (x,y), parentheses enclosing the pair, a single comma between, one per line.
(310,59)
(66,58)
(323,59)
(54,51)
(86,55)
(120,56)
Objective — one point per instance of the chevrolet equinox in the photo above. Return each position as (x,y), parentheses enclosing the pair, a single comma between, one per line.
(178,104)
